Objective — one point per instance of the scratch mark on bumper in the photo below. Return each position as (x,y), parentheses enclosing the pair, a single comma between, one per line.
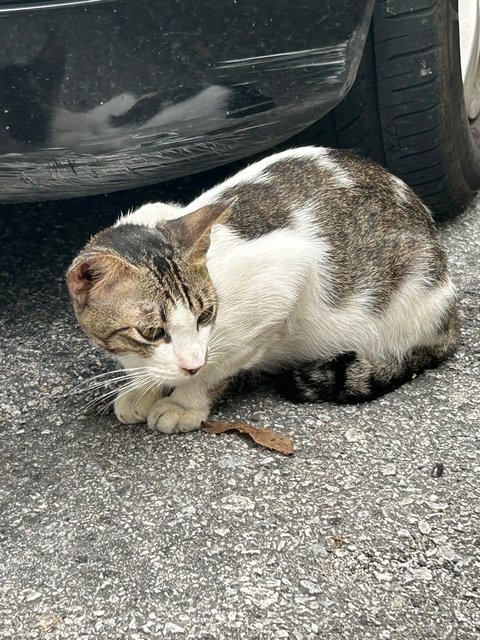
(334,56)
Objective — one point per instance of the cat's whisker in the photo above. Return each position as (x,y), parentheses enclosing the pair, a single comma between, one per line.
(216,333)
(109,403)
(226,331)
(146,389)
(150,388)
(115,379)
(96,401)
(123,391)
(130,386)
(215,345)
(103,384)
(108,381)
(112,371)
(216,351)
(108,400)
(214,357)
(129,371)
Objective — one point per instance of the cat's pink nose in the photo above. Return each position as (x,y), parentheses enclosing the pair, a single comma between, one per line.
(191,363)
(191,372)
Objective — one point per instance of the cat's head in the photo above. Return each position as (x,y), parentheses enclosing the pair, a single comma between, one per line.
(145,296)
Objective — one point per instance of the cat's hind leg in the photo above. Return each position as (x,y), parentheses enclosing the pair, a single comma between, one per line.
(315,381)
(350,378)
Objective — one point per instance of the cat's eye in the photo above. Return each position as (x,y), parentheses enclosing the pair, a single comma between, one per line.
(152,334)
(205,317)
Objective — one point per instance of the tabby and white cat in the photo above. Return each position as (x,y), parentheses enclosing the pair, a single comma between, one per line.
(311,263)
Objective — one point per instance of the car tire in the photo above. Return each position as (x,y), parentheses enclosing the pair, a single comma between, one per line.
(406,108)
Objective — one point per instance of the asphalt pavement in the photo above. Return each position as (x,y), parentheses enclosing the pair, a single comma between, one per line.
(371,530)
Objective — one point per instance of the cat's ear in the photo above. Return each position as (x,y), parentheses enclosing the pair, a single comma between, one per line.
(90,271)
(79,279)
(192,231)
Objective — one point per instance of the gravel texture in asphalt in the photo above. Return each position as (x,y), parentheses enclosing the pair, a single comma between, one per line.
(112,531)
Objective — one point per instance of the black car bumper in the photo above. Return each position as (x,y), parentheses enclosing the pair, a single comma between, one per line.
(100,95)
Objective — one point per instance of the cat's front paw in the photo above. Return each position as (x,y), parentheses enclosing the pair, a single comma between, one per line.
(169,417)
(134,406)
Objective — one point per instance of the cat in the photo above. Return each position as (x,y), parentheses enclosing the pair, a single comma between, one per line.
(312,264)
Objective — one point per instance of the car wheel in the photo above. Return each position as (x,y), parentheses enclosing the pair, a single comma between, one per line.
(415,104)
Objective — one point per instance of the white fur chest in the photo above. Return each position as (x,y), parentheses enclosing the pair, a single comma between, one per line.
(261,285)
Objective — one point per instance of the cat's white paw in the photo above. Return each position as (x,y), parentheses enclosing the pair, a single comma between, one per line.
(169,417)
(134,407)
